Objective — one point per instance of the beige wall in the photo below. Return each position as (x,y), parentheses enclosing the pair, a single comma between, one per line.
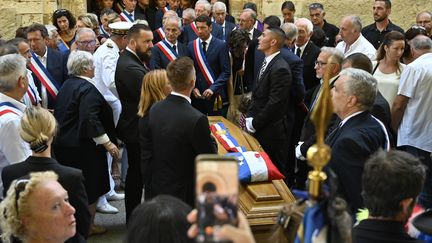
(403,11)
(17,13)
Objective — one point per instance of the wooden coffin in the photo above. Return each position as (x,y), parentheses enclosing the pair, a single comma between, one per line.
(261,201)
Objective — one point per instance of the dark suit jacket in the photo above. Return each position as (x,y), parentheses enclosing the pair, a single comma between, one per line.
(229,27)
(381,231)
(70,178)
(156,37)
(218,59)
(56,66)
(159,16)
(256,33)
(331,31)
(159,59)
(230,18)
(139,13)
(351,146)
(189,35)
(129,74)
(309,56)
(270,101)
(175,135)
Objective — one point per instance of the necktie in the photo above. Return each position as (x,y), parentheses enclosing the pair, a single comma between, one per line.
(204,45)
(175,49)
(263,67)
(298,52)
(131,16)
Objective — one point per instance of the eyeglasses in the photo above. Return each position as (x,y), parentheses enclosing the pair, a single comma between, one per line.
(60,11)
(87,43)
(316,5)
(20,186)
(320,64)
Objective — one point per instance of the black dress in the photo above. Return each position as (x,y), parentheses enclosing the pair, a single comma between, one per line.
(82,114)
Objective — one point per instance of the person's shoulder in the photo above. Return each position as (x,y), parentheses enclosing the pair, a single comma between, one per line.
(369,27)
(396,27)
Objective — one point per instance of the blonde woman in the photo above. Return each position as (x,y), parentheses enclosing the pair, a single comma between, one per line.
(38,127)
(155,87)
(37,210)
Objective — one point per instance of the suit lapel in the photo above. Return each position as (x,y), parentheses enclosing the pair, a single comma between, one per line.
(267,70)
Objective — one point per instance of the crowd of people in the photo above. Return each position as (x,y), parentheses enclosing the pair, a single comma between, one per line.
(133,85)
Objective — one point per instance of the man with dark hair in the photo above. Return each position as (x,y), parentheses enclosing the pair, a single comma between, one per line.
(375,32)
(271,21)
(317,14)
(391,183)
(190,32)
(128,13)
(175,134)
(129,74)
(211,59)
(266,118)
(46,60)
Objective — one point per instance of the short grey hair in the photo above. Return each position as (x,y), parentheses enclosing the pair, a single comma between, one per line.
(307,22)
(421,42)
(173,18)
(50,28)
(12,66)
(356,22)
(362,85)
(252,13)
(290,30)
(82,31)
(219,6)
(336,54)
(207,5)
(79,62)
(189,12)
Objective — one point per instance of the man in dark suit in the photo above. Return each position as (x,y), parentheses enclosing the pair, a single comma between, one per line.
(128,13)
(70,178)
(357,136)
(266,118)
(159,34)
(328,59)
(307,51)
(246,22)
(169,48)
(213,69)
(129,74)
(190,32)
(52,60)
(219,15)
(175,135)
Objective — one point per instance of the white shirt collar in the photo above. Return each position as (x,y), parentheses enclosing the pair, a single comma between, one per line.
(88,79)
(349,117)
(270,58)
(301,48)
(208,40)
(251,33)
(170,42)
(182,95)
(15,102)
(127,48)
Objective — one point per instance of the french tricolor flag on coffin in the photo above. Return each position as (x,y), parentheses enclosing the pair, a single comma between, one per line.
(256,166)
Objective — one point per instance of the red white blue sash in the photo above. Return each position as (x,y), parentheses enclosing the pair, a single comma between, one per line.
(161,33)
(32,95)
(9,108)
(103,31)
(224,137)
(202,61)
(164,9)
(193,26)
(167,50)
(126,17)
(44,76)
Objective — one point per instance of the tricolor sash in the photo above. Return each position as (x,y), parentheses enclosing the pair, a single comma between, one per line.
(62,46)
(44,76)
(32,95)
(119,7)
(202,61)
(224,137)
(193,26)
(126,17)
(9,108)
(103,31)
(161,33)
(167,50)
